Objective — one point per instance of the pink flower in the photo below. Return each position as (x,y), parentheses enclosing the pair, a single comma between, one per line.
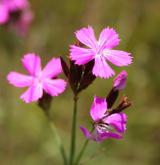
(38,79)
(105,125)
(101,51)
(120,80)
(16,14)
(23,24)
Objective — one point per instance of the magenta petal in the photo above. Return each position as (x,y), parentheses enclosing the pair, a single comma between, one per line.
(4,16)
(32,63)
(120,80)
(86,133)
(101,136)
(108,135)
(118,58)
(101,68)
(87,37)
(118,121)
(98,108)
(53,68)
(32,94)
(19,80)
(54,87)
(80,55)
(108,38)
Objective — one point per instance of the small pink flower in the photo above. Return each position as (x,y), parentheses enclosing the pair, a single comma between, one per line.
(23,24)
(120,80)
(105,125)
(38,79)
(101,51)
(16,14)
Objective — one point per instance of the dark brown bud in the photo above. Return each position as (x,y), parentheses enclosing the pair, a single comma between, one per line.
(64,67)
(75,76)
(87,77)
(112,97)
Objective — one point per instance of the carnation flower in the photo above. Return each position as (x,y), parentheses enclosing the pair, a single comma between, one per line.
(38,81)
(105,125)
(16,14)
(100,50)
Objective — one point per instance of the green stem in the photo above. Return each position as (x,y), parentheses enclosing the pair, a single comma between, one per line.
(73,136)
(81,152)
(57,137)
(83,149)
(63,154)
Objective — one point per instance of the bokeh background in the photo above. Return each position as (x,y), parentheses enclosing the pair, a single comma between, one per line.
(25,136)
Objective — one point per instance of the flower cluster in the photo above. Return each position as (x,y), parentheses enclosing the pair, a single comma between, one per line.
(88,60)
(16,14)
(107,122)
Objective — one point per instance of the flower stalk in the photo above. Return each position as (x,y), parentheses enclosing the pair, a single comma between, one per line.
(54,129)
(58,140)
(73,134)
(77,161)
(81,152)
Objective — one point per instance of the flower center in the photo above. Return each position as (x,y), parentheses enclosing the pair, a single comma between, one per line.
(104,127)
(98,52)
(38,79)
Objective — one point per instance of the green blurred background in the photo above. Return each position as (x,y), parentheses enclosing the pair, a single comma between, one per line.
(25,136)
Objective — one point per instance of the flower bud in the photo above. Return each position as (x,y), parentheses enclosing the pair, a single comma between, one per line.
(120,80)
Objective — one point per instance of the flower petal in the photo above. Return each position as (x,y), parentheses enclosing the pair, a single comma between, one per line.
(53,68)
(86,133)
(54,87)
(4,14)
(108,38)
(120,80)
(108,135)
(80,55)
(32,94)
(19,80)
(87,37)
(99,136)
(101,68)
(117,57)
(98,108)
(118,121)
(32,63)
